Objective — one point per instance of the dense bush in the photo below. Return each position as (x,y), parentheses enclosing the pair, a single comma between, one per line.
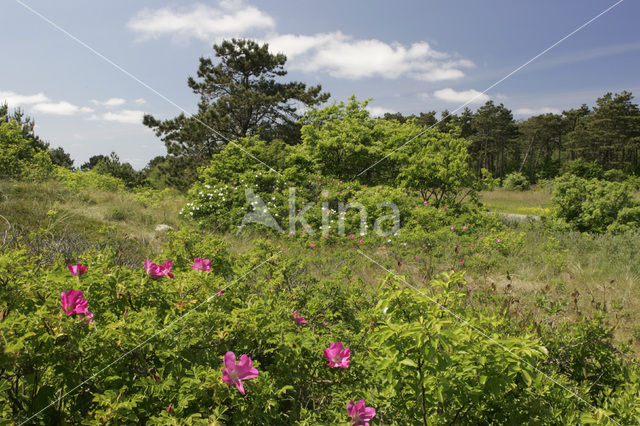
(112,166)
(153,352)
(583,169)
(437,167)
(342,140)
(516,181)
(592,204)
(78,180)
(615,175)
(18,159)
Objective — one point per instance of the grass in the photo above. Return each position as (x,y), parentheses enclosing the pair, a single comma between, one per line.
(531,203)
(52,220)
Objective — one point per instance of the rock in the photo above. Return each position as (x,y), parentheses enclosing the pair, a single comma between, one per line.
(163,228)
(519,217)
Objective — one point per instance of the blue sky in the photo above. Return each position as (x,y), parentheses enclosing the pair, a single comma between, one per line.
(408,56)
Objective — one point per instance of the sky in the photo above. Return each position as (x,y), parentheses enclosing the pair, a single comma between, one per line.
(86,72)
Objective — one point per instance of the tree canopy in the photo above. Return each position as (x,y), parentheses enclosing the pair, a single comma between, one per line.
(240,95)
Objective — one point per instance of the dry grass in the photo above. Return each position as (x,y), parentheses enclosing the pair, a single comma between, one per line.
(48,209)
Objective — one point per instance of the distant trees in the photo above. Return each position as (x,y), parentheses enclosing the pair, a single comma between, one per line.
(542,146)
(112,166)
(610,134)
(493,133)
(240,95)
(26,127)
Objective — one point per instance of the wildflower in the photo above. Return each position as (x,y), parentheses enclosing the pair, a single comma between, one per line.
(77,269)
(351,236)
(360,414)
(234,374)
(170,408)
(461,260)
(469,288)
(298,319)
(498,240)
(452,228)
(88,315)
(220,292)
(73,302)
(200,264)
(464,228)
(157,271)
(312,244)
(337,355)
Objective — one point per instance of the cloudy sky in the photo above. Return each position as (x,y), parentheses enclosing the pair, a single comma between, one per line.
(88,82)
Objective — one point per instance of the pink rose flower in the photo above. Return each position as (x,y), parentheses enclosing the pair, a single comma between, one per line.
(360,414)
(73,302)
(337,355)
(234,374)
(157,271)
(77,269)
(200,264)
(298,319)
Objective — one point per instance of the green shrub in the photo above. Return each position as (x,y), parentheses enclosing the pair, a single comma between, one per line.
(583,169)
(615,175)
(516,181)
(78,180)
(437,167)
(116,214)
(342,140)
(18,159)
(589,204)
(410,359)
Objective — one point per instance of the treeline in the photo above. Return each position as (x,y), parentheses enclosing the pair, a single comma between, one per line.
(544,145)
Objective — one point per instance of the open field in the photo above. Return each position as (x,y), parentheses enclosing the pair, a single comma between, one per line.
(535,202)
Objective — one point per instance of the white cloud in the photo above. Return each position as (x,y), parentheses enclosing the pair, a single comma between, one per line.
(112,102)
(536,111)
(338,54)
(343,56)
(13,99)
(471,96)
(42,103)
(57,108)
(378,111)
(200,21)
(140,101)
(126,116)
